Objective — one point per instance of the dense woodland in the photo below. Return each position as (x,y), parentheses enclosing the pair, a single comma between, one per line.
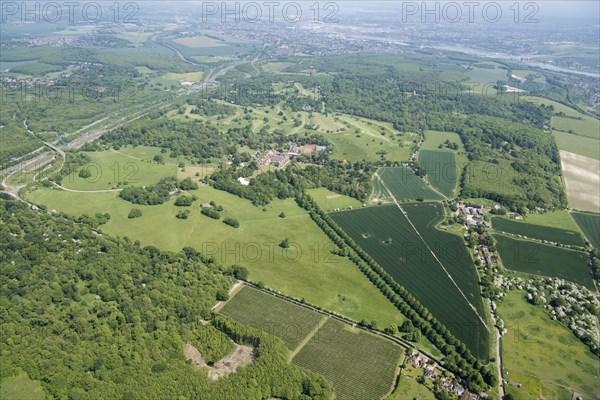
(117,315)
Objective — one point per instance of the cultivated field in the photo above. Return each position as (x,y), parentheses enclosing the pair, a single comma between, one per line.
(590,225)
(441,170)
(487,73)
(560,219)
(529,75)
(277,317)
(545,260)
(578,123)
(404,185)
(275,66)
(388,237)
(300,271)
(538,232)
(358,364)
(196,42)
(583,146)
(188,76)
(582,179)
(544,350)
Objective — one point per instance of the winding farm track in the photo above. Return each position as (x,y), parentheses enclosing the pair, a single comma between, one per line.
(431,251)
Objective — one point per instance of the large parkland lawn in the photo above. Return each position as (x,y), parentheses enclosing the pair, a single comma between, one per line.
(537,231)
(539,353)
(132,166)
(302,270)
(359,364)
(388,237)
(540,259)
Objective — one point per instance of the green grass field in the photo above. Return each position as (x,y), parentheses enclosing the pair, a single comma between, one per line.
(300,271)
(21,387)
(584,146)
(533,388)
(277,317)
(530,75)
(358,364)
(387,236)
(538,232)
(404,185)
(541,259)
(330,201)
(580,124)
(187,76)
(488,75)
(409,388)
(275,66)
(441,170)
(433,139)
(590,225)
(570,119)
(560,219)
(537,346)
(133,166)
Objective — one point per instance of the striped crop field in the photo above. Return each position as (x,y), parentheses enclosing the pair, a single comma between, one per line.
(450,291)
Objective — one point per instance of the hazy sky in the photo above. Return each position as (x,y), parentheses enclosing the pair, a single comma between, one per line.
(588,9)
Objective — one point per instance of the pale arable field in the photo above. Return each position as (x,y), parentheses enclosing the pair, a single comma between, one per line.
(582,180)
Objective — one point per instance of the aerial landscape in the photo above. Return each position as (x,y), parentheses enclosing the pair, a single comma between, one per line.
(300,200)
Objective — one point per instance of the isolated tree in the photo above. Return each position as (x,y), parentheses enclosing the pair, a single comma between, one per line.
(134,213)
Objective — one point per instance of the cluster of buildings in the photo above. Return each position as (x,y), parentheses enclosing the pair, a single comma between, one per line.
(431,372)
(277,158)
(474,216)
(280,159)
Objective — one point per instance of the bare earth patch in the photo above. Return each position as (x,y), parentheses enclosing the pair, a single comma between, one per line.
(582,179)
(242,355)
